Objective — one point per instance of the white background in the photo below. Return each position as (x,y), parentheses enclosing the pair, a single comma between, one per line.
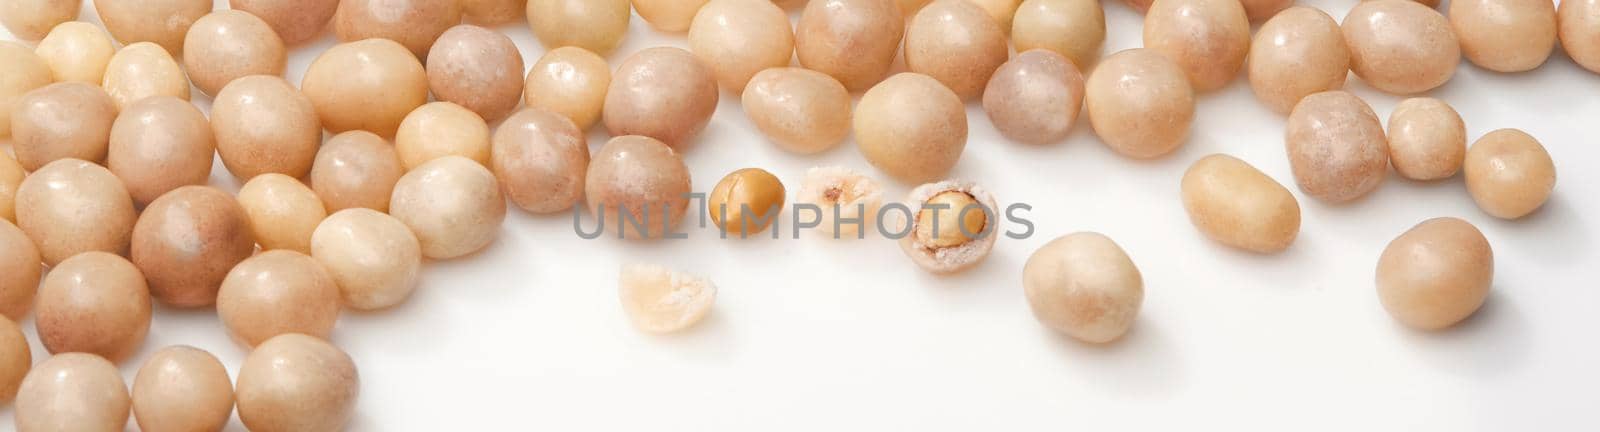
(817,334)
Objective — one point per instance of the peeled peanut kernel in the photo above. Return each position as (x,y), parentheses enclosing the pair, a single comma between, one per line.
(1298,52)
(356,169)
(953,228)
(77,51)
(1208,39)
(746,201)
(854,41)
(282,212)
(182,388)
(441,129)
(295,21)
(663,93)
(453,204)
(801,110)
(369,85)
(957,43)
(295,382)
(278,292)
(1427,140)
(71,206)
(641,177)
(143,70)
(159,144)
(264,125)
(32,19)
(163,22)
(59,121)
(541,160)
(477,68)
(21,71)
(1073,28)
(738,38)
(373,257)
(1237,205)
(1085,286)
(594,25)
(229,44)
(1139,103)
(1336,147)
(1509,174)
(95,303)
(569,81)
(661,300)
(187,240)
(20,269)
(672,16)
(1400,46)
(415,24)
(842,196)
(1035,97)
(911,127)
(72,391)
(1505,35)
(1435,274)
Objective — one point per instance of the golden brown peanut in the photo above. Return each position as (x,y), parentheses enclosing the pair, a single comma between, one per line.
(802,110)
(841,194)
(477,68)
(642,177)
(32,19)
(71,206)
(230,44)
(143,70)
(1505,35)
(1035,97)
(1208,39)
(159,144)
(441,129)
(957,43)
(452,203)
(368,85)
(1509,174)
(1427,140)
(163,22)
(21,71)
(415,24)
(911,127)
(663,93)
(15,358)
(541,160)
(278,292)
(263,124)
(492,12)
(77,51)
(95,303)
(1237,205)
(1400,46)
(295,21)
(182,388)
(356,169)
(295,382)
(72,391)
(1578,23)
(672,16)
(854,41)
(1336,147)
(954,227)
(1073,28)
(1147,118)
(594,25)
(187,240)
(1435,274)
(570,81)
(661,300)
(373,257)
(739,38)
(282,212)
(1296,53)
(1085,286)
(59,121)
(11,175)
(748,196)
(20,268)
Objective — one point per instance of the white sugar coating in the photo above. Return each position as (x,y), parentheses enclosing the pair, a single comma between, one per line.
(945,260)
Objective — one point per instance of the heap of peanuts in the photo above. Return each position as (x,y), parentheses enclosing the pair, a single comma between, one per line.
(108,185)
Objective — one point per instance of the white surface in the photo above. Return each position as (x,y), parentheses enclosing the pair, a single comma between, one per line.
(849,335)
